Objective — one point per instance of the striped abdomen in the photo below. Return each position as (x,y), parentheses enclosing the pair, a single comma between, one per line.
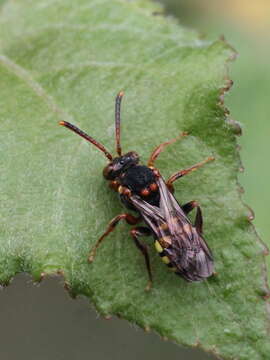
(162,253)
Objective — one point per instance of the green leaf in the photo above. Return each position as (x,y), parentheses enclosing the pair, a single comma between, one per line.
(65,61)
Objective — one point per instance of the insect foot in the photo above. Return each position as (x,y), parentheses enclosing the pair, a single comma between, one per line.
(148,286)
(91,257)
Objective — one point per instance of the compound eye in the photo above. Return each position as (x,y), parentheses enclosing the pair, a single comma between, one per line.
(122,162)
(107,172)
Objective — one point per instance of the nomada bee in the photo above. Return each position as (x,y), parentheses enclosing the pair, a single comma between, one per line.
(179,243)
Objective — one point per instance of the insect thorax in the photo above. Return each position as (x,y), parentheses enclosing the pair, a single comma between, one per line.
(138,178)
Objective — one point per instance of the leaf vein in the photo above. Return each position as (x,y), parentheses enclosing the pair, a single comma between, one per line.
(21,73)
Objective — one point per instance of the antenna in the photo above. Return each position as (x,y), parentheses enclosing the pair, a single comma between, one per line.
(86,137)
(117,121)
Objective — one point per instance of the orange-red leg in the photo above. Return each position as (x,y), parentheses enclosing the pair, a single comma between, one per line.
(114,184)
(130,219)
(161,147)
(198,219)
(184,172)
(135,233)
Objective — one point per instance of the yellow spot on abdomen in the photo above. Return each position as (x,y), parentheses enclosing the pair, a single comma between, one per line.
(158,247)
(165,259)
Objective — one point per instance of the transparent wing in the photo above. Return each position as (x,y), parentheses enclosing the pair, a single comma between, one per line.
(188,251)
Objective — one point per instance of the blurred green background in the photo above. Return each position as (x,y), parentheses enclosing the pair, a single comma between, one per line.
(44,322)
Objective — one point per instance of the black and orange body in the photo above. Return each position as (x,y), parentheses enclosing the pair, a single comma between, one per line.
(142,189)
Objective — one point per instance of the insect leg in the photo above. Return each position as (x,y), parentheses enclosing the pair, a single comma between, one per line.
(114,184)
(161,147)
(130,219)
(135,233)
(188,207)
(181,173)
(198,219)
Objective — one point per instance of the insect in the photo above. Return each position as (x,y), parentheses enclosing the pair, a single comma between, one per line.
(141,188)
